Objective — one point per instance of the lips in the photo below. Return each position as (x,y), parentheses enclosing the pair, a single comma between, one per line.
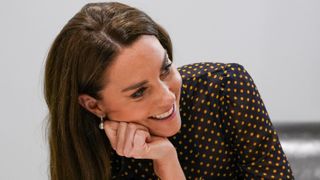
(164,115)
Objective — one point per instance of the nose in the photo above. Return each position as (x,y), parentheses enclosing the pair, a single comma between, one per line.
(165,97)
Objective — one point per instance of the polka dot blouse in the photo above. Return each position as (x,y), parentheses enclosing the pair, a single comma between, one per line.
(226,132)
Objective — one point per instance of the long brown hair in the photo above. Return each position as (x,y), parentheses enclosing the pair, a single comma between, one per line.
(78,57)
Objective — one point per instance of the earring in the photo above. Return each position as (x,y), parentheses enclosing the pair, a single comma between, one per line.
(101,122)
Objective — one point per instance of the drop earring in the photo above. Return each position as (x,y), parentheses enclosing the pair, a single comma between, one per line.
(101,122)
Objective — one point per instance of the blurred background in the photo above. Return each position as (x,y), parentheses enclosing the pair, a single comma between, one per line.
(278,42)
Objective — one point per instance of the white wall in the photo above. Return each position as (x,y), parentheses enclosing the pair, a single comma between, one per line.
(276,41)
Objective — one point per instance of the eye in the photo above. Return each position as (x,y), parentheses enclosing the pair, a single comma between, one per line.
(139,93)
(166,69)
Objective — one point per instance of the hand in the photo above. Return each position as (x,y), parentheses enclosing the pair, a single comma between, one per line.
(134,140)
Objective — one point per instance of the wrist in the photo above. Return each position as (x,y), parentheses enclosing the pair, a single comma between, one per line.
(168,167)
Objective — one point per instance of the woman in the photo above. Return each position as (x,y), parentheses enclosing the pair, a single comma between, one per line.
(119,109)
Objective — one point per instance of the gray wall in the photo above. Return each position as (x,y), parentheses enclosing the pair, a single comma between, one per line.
(276,41)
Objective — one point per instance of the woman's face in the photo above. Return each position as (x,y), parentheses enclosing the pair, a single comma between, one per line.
(143,87)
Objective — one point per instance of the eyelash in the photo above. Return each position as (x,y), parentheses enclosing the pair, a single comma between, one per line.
(140,92)
(166,70)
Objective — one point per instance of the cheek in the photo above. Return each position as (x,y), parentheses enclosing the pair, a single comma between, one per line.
(176,82)
(118,108)
(132,112)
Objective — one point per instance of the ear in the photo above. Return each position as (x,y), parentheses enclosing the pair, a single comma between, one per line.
(91,104)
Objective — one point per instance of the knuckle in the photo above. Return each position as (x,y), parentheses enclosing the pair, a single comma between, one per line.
(140,132)
(113,147)
(136,156)
(123,123)
(132,126)
(111,124)
(137,125)
(120,153)
(127,154)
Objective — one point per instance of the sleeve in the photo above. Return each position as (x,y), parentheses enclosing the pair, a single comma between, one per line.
(248,128)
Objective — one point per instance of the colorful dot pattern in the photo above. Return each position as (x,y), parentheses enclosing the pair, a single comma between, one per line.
(226,131)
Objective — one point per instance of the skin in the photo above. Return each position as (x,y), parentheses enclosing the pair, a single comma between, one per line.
(129,126)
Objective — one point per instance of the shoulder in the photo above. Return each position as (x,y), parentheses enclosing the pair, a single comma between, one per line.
(210,71)
(208,80)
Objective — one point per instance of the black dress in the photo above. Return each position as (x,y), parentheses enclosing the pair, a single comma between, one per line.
(226,132)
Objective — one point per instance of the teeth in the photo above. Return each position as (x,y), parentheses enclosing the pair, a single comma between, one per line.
(164,115)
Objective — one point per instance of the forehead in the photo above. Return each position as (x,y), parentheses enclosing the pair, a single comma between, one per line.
(136,63)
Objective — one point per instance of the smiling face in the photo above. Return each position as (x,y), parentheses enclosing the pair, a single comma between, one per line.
(143,87)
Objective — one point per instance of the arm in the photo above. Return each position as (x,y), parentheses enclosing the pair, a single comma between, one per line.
(248,128)
(134,140)
(169,167)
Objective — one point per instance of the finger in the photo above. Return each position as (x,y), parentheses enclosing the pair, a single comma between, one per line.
(140,138)
(121,132)
(109,124)
(128,144)
(110,128)
(140,146)
(141,127)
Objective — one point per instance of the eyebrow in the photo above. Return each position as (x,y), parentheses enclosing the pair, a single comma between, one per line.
(140,84)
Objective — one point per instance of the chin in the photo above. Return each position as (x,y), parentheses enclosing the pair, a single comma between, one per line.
(173,133)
